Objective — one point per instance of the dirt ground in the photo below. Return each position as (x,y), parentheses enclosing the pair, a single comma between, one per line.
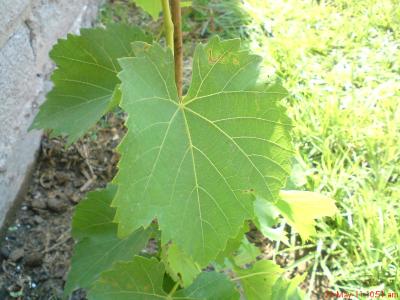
(36,250)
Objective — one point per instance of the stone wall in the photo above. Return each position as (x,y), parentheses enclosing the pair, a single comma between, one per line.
(28,30)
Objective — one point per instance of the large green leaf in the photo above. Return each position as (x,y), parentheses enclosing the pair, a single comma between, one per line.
(196,164)
(85,79)
(142,279)
(99,247)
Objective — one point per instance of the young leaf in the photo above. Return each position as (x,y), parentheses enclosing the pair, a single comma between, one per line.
(210,286)
(232,245)
(85,79)
(99,247)
(258,281)
(152,7)
(247,253)
(142,279)
(196,164)
(186,3)
(179,265)
(301,208)
(285,289)
(266,217)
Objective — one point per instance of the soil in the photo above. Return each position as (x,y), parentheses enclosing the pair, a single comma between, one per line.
(36,251)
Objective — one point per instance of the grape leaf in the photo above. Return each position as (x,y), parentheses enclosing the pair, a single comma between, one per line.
(179,265)
(142,279)
(247,253)
(210,286)
(232,245)
(196,164)
(152,7)
(301,208)
(257,282)
(85,79)
(99,247)
(285,289)
(266,217)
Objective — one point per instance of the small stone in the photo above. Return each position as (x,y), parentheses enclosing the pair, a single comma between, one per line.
(75,198)
(39,203)
(5,252)
(56,205)
(33,259)
(37,219)
(16,255)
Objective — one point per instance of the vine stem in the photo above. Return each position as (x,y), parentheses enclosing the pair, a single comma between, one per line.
(173,290)
(178,48)
(168,25)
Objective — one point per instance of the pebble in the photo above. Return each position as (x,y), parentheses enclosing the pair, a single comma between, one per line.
(5,252)
(39,203)
(37,219)
(56,205)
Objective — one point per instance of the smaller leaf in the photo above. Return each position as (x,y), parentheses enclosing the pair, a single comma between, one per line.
(232,245)
(247,253)
(139,279)
(257,282)
(142,279)
(210,286)
(179,265)
(301,208)
(85,81)
(265,281)
(152,7)
(267,216)
(285,289)
(99,247)
(186,3)
(115,98)
(298,176)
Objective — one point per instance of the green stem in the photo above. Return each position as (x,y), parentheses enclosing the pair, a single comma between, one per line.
(173,290)
(168,25)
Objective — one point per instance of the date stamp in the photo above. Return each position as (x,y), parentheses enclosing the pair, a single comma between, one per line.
(375,294)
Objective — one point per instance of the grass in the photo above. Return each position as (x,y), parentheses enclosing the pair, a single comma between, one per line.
(340,60)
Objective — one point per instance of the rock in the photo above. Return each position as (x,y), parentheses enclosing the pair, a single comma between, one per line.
(16,255)
(4,252)
(33,259)
(56,205)
(37,219)
(75,198)
(39,203)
